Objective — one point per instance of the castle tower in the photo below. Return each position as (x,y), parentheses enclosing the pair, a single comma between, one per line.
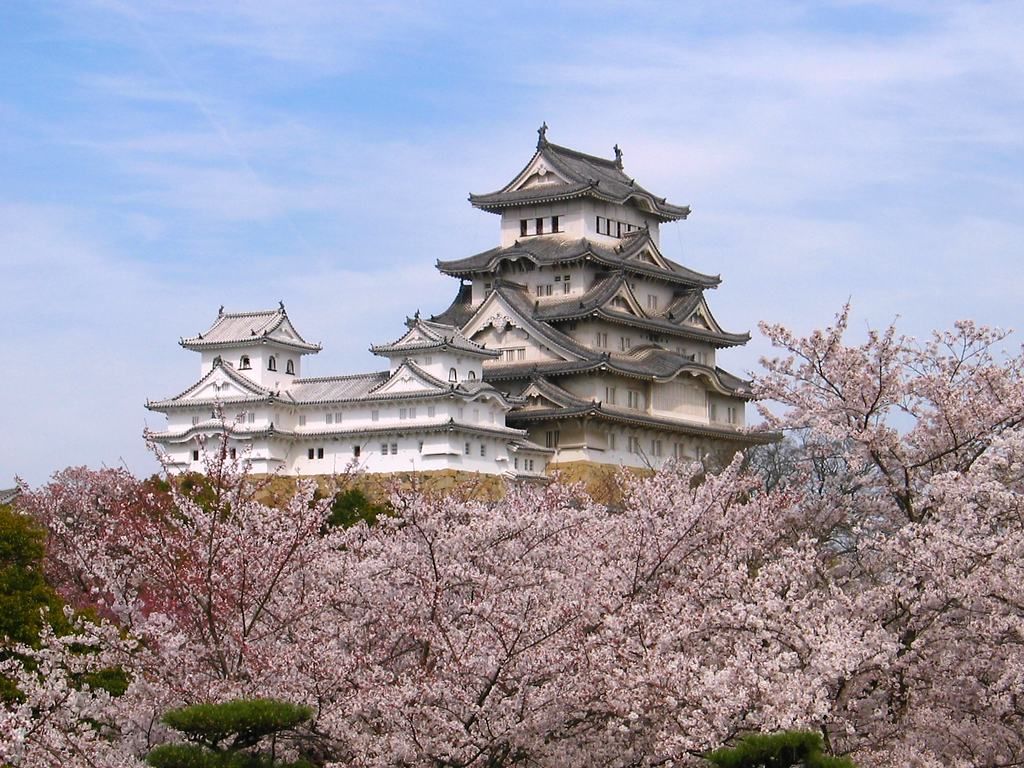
(611,346)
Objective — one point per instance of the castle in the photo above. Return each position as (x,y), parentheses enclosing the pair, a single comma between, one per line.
(574,340)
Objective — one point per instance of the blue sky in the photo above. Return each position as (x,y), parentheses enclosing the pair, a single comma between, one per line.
(163,158)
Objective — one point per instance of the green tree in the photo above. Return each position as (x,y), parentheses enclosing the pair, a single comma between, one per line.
(353,506)
(786,749)
(243,733)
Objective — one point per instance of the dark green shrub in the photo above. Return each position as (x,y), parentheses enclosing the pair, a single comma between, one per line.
(787,749)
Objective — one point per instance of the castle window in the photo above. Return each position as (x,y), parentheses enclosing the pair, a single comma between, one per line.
(731,414)
(656,447)
(394,449)
(465,449)
(712,412)
(483,450)
(309,453)
(522,227)
(540,226)
(428,360)
(195,455)
(233,453)
(551,438)
(487,288)
(243,364)
(652,301)
(374,415)
(337,417)
(195,420)
(565,284)
(356,450)
(611,441)
(329,418)
(453,375)
(272,363)
(383,449)
(471,376)
(289,368)
(634,444)
(403,413)
(601,341)
(515,461)
(554,224)
(431,410)
(251,417)
(302,420)
(625,343)
(529,464)
(633,398)
(609,395)
(319,453)
(412,413)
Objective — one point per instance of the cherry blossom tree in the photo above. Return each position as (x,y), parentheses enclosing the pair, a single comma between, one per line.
(925,442)
(870,593)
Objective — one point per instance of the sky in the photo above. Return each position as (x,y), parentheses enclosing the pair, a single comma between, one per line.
(161,159)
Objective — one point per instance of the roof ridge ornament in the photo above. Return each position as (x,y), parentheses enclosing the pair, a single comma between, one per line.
(220,312)
(618,156)
(542,135)
(280,305)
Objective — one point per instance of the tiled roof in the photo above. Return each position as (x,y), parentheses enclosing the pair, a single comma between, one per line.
(551,249)
(257,393)
(584,175)
(327,389)
(597,302)
(649,365)
(568,405)
(7,495)
(460,310)
(248,328)
(426,335)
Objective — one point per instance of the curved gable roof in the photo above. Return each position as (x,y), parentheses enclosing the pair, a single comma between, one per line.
(579,175)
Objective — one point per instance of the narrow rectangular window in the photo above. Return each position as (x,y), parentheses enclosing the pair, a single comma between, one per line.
(609,395)
(195,455)
(402,413)
(554,224)
(558,278)
(520,354)
(394,449)
(356,450)
(412,413)
(374,415)
(540,290)
(522,227)
(252,418)
(337,417)
(466,449)
(540,226)
(483,449)
(515,462)
(319,453)
(309,453)
(195,420)
(302,420)
(383,449)
(329,418)
(431,410)
(233,453)
(712,411)
(547,290)
(551,438)
(611,441)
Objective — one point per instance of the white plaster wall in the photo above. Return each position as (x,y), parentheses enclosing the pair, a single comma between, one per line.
(625,213)
(258,359)
(570,215)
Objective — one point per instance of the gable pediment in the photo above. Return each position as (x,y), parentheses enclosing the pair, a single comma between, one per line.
(500,325)
(537,174)
(407,379)
(220,385)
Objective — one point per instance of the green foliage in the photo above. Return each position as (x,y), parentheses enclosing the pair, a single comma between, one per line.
(23,589)
(195,756)
(227,735)
(351,507)
(786,749)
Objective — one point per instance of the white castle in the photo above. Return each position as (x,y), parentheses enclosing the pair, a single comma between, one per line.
(575,340)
